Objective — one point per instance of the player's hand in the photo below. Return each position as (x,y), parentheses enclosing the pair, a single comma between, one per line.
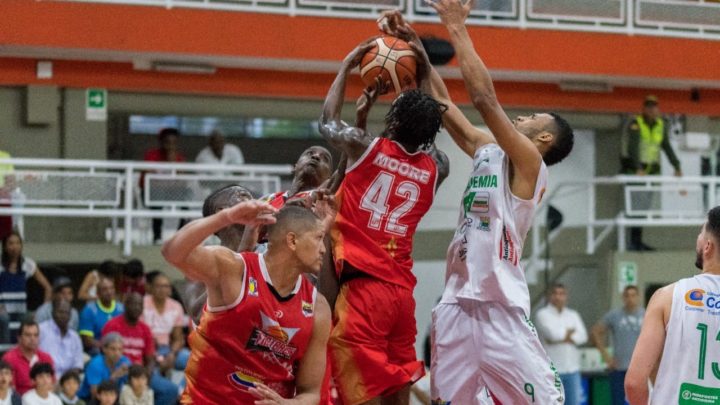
(366,101)
(389,21)
(355,56)
(325,207)
(252,212)
(267,396)
(422,71)
(452,12)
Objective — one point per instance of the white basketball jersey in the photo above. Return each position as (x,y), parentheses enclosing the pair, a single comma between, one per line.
(483,260)
(690,367)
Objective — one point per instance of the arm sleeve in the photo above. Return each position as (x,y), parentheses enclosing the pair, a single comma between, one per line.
(548,331)
(669,152)
(86,323)
(580,337)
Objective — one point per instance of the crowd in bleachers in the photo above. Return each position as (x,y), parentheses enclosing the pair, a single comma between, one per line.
(126,345)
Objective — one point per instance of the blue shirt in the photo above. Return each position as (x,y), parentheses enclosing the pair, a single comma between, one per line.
(94,316)
(97,371)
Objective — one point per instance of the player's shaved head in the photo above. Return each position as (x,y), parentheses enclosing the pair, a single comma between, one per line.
(292,218)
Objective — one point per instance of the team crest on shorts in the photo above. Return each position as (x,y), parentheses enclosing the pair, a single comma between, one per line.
(252,287)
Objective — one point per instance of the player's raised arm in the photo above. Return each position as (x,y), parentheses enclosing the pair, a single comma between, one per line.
(206,263)
(649,346)
(525,156)
(348,139)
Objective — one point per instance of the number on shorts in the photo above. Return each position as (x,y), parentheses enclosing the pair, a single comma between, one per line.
(375,200)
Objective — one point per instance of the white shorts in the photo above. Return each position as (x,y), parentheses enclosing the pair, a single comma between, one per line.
(479,344)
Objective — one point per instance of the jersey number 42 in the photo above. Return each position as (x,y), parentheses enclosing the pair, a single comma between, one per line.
(375,200)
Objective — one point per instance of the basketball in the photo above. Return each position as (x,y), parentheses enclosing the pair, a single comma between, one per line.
(394,60)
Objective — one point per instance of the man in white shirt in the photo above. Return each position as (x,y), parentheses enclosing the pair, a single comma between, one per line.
(220,153)
(562,330)
(60,341)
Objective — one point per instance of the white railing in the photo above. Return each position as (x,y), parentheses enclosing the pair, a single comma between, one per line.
(112,189)
(674,18)
(649,201)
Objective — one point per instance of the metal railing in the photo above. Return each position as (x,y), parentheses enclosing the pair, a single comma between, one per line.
(673,18)
(648,201)
(122,189)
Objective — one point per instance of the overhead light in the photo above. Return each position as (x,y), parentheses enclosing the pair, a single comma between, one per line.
(174,67)
(585,86)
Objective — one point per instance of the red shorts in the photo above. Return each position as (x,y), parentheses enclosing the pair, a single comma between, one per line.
(372,344)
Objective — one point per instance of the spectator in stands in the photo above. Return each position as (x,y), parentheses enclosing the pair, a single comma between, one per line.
(25,355)
(109,269)
(69,386)
(645,135)
(218,152)
(7,184)
(62,289)
(15,270)
(624,324)
(58,339)
(133,278)
(107,393)
(139,346)
(562,330)
(97,313)
(166,319)
(43,378)
(167,152)
(136,391)
(110,364)
(7,395)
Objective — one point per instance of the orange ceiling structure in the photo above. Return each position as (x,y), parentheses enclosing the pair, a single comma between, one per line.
(271,55)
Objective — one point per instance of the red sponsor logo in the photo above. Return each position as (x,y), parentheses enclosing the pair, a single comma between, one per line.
(507,248)
(263,341)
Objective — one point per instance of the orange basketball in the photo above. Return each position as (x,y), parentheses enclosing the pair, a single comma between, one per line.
(392,59)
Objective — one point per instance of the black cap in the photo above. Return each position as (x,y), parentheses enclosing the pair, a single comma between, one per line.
(650,101)
(61,282)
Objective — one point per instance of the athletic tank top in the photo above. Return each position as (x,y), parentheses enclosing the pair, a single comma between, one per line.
(483,260)
(382,198)
(690,367)
(259,338)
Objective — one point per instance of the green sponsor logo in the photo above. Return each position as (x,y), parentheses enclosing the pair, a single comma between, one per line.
(691,394)
(487,181)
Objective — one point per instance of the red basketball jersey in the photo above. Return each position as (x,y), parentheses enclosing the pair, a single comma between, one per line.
(259,339)
(383,197)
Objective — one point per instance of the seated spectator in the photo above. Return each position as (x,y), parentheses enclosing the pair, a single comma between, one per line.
(69,386)
(63,343)
(139,347)
(43,377)
(166,319)
(7,395)
(107,393)
(218,152)
(109,365)
(15,270)
(25,355)
(133,279)
(136,391)
(97,313)
(62,288)
(88,288)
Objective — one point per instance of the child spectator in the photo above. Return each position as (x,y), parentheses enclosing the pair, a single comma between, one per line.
(107,393)
(7,395)
(69,386)
(43,377)
(136,391)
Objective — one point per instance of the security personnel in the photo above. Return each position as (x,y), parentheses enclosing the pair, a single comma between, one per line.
(644,137)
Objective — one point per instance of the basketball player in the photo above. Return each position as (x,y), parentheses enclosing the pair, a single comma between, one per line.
(388,187)
(681,333)
(482,335)
(263,335)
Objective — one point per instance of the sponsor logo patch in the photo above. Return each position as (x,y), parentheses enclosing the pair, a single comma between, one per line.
(252,287)
(694,297)
(273,338)
(242,381)
(307,309)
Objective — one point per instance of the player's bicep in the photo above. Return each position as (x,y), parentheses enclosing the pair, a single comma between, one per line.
(206,263)
(350,140)
(467,137)
(650,343)
(313,364)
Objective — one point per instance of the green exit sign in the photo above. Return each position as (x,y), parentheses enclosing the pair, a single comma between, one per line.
(96,104)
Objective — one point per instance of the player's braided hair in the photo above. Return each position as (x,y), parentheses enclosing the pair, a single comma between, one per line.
(414,119)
